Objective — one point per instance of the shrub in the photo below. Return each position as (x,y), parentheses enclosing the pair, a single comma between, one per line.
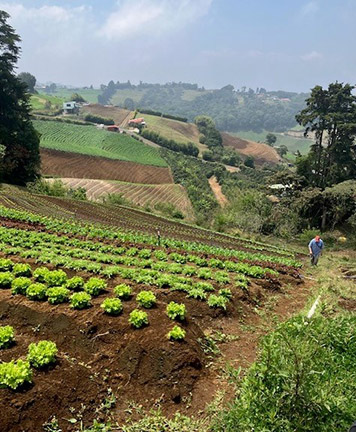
(57,295)
(76,283)
(22,270)
(80,300)
(40,274)
(177,333)
(14,374)
(7,336)
(6,265)
(123,291)
(112,306)
(20,285)
(176,311)
(95,286)
(138,318)
(217,301)
(6,279)
(146,299)
(36,291)
(42,354)
(55,278)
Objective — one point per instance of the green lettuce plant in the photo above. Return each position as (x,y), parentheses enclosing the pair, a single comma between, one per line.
(22,270)
(176,334)
(176,311)
(146,299)
(6,279)
(95,286)
(80,300)
(138,318)
(112,306)
(123,291)
(76,283)
(6,265)
(7,336)
(36,291)
(40,274)
(20,285)
(217,301)
(15,374)
(42,354)
(57,295)
(55,278)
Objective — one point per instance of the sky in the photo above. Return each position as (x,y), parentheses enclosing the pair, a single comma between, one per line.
(276,44)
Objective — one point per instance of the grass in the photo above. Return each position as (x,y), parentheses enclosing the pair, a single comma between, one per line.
(90,95)
(94,142)
(293,144)
(38,101)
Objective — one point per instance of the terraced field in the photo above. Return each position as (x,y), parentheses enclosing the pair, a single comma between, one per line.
(64,164)
(138,194)
(129,314)
(95,142)
(119,115)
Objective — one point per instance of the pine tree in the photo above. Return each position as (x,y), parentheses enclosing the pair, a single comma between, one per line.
(21,161)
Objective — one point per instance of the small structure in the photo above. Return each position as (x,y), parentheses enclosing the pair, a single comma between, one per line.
(113,128)
(137,122)
(70,107)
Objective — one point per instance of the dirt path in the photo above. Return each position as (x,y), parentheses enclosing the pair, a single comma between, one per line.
(216,188)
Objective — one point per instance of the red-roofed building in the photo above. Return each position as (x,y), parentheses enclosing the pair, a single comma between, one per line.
(137,122)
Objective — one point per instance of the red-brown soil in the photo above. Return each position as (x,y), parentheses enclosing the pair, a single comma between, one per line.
(216,188)
(63,164)
(261,152)
(117,114)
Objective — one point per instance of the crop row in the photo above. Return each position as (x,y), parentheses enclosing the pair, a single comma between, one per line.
(100,232)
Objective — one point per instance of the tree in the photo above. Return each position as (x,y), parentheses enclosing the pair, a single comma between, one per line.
(331,116)
(77,98)
(271,139)
(29,80)
(129,104)
(21,161)
(249,162)
(282,150)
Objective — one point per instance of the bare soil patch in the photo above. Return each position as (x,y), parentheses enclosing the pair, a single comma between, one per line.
(216,188)
(259,151)
(63,164)
(119,115)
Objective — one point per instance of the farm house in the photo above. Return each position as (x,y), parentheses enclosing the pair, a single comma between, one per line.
(70,108)
(137,122)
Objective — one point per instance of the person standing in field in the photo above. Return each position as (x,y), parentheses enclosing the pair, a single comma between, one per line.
(158,237)
(316,246)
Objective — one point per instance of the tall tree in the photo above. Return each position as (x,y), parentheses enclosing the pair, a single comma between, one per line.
(331,116)
(29,80)
(21,160)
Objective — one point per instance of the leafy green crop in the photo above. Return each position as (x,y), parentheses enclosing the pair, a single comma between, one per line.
(6,265)
(217,301)
(177,333)
(138,318)
(80,300)
(176,311)
(205,286)
(146,299)
(123,291)
(95,286)
(112,306)
(42,354)
(76,283)
(36,291)
(55,278)
(7,336)
(197,293)
(15,374)
(40,274)
(21,270)
(57,295)
(225,292)
(6,279)
(20,285)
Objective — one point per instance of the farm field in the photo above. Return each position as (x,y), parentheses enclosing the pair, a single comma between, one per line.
(259,151)
(95,142)
(143,195)
(38,101)
(129,317)
(119,115)
(64,164)
(90,95)
(134,94)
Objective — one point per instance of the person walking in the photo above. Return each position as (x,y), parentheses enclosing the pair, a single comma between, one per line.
(158,236)
(316,246)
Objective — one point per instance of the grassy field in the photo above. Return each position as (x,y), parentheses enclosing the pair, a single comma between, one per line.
(91,141)
(90,95)
(38,101)
(292,143)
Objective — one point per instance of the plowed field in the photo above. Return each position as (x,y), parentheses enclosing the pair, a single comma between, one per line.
(63,164)
(259,151)
(117,114)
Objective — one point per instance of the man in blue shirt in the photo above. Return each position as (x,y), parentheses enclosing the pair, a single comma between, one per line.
(315,249)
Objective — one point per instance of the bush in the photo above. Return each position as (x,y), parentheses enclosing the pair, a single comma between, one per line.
(80,300)
(95,286)
(42,354)
(20,285)
(7,336)
(146,299)
(36,291)
(138,318)
(6,265)
(15,374)
(22,270)
(57,295)
(6,279)
(176,311)
(112,306)
(76,283)
(55,278)
(40,274)
(219,301)
(123,291)
(177,334)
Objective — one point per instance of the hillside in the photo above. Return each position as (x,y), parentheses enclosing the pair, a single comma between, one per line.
(119,115)
(91,141)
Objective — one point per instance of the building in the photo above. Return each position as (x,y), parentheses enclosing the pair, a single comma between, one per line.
(137,122)
(70,107)
(113,128)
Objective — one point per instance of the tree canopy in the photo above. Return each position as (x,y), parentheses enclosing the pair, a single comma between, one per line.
(21,159)
(29,80)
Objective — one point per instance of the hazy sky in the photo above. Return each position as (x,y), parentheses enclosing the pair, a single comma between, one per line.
(276,44)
